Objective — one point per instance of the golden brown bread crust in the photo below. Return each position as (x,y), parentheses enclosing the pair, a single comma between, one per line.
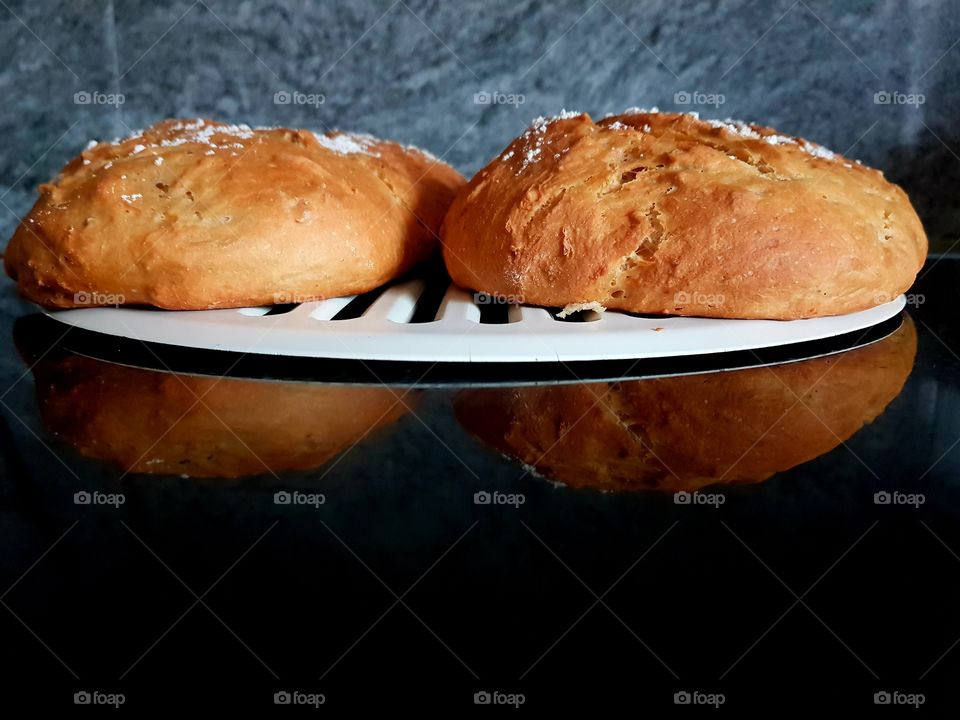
(194,214)
(666,213)
(152,422)
(685,433)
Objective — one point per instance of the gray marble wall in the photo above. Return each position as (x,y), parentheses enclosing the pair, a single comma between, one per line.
(420,71)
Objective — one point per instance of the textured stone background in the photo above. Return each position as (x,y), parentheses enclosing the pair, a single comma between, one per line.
(410,71)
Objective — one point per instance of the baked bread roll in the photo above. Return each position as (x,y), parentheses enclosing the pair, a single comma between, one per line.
(685,433)
(664,213)
(194,214)
(151,422)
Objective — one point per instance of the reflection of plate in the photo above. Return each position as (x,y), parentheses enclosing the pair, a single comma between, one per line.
(156,422)
(41,332)
(455,332)
(683,433)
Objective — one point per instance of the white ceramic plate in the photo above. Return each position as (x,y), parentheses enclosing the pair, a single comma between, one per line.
(456,334)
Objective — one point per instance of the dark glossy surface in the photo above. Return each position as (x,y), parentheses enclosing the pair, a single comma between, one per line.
(399,590)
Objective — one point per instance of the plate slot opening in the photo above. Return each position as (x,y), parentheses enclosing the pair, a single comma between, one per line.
(428,305)
(282,309)
(359,305)
(493,311)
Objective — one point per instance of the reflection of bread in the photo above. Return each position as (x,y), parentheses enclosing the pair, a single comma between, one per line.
(198,214)
(151,422)
(665,213)
(687,432)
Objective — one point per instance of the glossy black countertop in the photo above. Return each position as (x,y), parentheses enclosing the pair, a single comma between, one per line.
(768,536)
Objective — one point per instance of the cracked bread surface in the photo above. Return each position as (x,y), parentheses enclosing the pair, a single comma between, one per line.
(196,214)
(665,213)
